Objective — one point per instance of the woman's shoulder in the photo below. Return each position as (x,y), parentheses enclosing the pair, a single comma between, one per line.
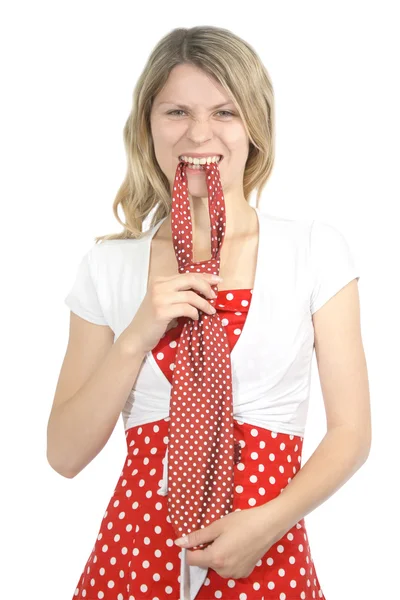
(285,232)
(115,248)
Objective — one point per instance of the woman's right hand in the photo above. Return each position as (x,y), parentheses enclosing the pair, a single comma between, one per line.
(169,298)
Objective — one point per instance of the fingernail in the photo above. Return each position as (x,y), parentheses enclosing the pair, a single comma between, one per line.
(182,541)
(216,278)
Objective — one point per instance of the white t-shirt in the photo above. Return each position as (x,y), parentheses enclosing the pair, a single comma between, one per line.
(300,266)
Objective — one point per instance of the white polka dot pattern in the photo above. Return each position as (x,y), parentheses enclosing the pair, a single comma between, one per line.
(132,557)
(201,443)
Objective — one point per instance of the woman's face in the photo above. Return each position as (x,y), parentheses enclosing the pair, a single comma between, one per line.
(198,128)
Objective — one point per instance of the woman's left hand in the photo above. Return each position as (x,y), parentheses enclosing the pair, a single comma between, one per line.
(239,540)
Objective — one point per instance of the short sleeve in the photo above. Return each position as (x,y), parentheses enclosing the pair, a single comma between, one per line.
(82,299)
(332,263)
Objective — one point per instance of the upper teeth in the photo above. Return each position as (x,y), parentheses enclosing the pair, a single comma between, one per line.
(201,161)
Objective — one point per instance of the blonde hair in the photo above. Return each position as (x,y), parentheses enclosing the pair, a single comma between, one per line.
(236,66)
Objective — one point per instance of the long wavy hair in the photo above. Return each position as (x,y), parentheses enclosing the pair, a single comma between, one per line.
(236,66)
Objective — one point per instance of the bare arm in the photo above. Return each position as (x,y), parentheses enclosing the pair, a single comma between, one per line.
(344,381)
(81,423)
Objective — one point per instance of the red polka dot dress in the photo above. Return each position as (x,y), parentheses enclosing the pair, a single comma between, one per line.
(134,556)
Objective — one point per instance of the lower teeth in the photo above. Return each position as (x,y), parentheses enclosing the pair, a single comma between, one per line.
(198,167)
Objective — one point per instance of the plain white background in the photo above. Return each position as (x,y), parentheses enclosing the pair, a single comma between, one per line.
(68,73)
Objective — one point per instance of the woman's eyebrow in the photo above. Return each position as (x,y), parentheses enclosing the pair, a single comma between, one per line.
(188,107)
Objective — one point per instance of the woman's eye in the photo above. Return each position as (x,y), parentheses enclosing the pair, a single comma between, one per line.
(173,112)
(227,112)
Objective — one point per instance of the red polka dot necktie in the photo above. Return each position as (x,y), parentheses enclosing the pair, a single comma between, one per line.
(201,449)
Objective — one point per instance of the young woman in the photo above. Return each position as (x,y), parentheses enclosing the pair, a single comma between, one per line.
(220,369)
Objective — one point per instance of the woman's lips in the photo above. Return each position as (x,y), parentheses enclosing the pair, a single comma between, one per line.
(196,171)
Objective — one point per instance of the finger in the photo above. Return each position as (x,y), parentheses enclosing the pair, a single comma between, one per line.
(199,536)
(198,558)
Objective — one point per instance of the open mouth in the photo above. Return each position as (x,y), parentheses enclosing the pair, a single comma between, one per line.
(193,167)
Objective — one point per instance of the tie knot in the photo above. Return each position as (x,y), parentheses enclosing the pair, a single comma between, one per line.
(210,266)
